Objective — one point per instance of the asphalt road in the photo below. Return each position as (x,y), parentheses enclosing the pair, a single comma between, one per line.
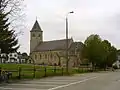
(89,81)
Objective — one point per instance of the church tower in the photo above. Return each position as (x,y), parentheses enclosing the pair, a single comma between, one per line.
(36,36)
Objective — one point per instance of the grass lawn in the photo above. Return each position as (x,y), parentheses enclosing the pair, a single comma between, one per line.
(27,70)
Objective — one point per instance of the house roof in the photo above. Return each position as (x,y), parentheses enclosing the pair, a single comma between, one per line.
(36,27)
(53,45)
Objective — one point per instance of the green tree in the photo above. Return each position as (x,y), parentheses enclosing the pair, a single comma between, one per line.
(110,53)
(25,56)
(100,53)
(106,45)
(8,41)
(112,57)
(94,49)
(16,15)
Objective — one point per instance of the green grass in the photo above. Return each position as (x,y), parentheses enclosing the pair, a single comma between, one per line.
(27,70)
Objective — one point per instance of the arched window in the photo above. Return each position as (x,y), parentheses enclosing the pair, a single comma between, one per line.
(45,56)
(33,35)
(51,56)
(40,56)
(35,56)
(39,35)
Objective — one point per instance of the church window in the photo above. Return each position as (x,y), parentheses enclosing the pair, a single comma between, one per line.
(45,56)
(51,56)
(35,56)
(40,56)
(33,35)
(39,35)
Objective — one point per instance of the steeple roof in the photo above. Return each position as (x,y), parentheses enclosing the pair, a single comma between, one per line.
(36,27)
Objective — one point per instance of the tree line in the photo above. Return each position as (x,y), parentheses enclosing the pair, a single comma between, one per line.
(100,53)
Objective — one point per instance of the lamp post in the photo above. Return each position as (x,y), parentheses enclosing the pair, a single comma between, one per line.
(67,59)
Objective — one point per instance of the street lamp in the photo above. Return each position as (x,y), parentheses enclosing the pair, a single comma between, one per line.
(67,59)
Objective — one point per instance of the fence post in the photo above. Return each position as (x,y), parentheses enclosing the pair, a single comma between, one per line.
(82,69)
(19,73)
(0,74)
(0,71)
(45,72)
(55,69)
(62,70)
(87,67)
(78,69)
(34,70)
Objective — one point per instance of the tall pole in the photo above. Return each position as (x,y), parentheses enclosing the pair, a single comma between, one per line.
(67,56)
(67,59)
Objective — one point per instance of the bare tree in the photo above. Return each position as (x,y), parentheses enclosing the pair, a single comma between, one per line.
(14,8)
(11,6)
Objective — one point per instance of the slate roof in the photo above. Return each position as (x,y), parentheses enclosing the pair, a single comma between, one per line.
(53,45)
(76,45)
(36,27)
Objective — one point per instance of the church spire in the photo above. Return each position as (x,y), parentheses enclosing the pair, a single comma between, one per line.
(36,26)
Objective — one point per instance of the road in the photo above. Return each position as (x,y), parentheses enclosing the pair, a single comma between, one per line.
(89,81)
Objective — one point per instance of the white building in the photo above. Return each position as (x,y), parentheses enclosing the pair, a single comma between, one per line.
(3,58)
(11,58)
(117,63)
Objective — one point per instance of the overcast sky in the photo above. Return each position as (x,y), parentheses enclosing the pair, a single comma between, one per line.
(90,16)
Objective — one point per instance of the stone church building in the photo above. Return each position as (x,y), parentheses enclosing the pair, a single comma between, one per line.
(52,52)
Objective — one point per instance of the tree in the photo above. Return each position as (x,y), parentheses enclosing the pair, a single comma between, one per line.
(9,10)
(106,51)
(110,53)
(14,9)
(8,41)
(94,49)
(100,53)
(25,56)
(112,56)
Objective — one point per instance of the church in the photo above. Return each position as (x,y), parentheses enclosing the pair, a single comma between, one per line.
(53,52)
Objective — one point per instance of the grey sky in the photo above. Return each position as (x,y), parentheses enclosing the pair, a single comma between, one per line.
(91,16)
